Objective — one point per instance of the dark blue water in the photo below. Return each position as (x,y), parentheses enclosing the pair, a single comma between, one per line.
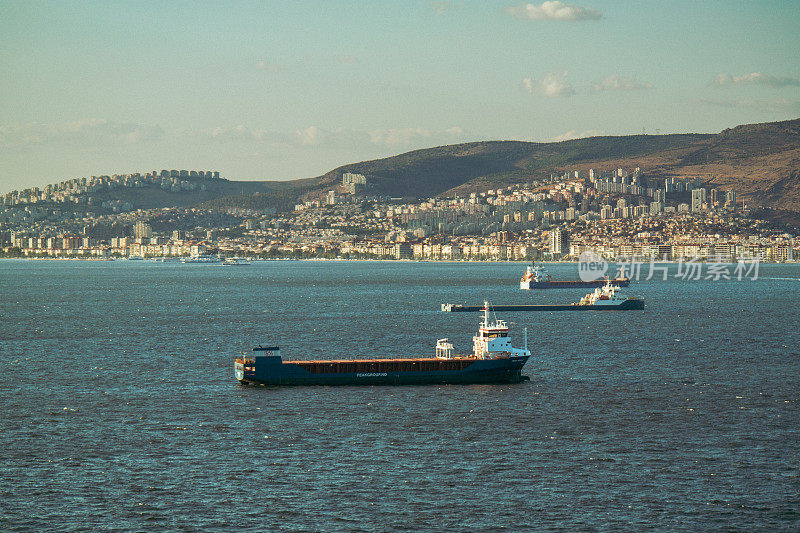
(119,409)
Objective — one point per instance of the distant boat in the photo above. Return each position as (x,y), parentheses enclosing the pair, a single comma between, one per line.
(202,259)
(236,261)
(536,277)
(135,258)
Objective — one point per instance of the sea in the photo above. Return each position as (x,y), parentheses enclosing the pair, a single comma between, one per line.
(119,409)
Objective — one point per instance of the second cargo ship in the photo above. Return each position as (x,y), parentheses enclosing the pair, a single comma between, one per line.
(536,277)
(494,360)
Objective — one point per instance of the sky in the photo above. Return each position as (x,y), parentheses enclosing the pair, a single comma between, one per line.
(283,90)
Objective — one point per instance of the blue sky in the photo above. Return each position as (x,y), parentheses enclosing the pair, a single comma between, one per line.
(283,90)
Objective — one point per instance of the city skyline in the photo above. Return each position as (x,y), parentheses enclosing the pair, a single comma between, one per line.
(289,90)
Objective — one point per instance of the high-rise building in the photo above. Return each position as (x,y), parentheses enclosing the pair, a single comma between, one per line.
(730,199)
(698,199)
(559,242)
(142,230)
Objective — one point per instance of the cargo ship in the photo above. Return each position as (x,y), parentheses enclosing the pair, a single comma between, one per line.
(536,277)
(605,298)
(494,360)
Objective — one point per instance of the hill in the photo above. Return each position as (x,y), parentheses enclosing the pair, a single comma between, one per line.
(761,162)
(476,166)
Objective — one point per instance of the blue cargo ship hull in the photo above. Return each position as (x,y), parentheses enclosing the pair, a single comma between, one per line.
(271,370)
(631,304)
(563,284)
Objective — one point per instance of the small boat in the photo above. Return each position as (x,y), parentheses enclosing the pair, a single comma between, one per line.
(494,360)
(203,259)
(236,261)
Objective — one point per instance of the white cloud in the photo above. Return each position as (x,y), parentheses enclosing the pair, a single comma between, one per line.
(756,78)
(340,138)
(554,10)
(96,131)
(408,137)
(394,138)
(346,59)
(575,134)
(311,136)
(399,137)
(238,133)
(620,83)
(442,6)
(783,105)
(554,84)
(267,66)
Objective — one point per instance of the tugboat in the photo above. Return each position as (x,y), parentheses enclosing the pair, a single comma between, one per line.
(536,277)
(494,360)
(607,297)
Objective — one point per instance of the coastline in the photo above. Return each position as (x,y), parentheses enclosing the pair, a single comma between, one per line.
(640,261)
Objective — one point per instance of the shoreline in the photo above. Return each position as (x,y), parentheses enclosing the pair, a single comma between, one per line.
(341,259)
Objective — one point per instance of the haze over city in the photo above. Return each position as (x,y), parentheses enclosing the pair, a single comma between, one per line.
(289,90)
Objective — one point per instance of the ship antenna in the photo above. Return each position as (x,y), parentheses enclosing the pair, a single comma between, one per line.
(525,338)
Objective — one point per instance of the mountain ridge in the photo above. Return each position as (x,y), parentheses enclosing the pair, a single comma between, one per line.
(760,162)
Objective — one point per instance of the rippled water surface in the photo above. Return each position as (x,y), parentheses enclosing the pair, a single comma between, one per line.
(119,409)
